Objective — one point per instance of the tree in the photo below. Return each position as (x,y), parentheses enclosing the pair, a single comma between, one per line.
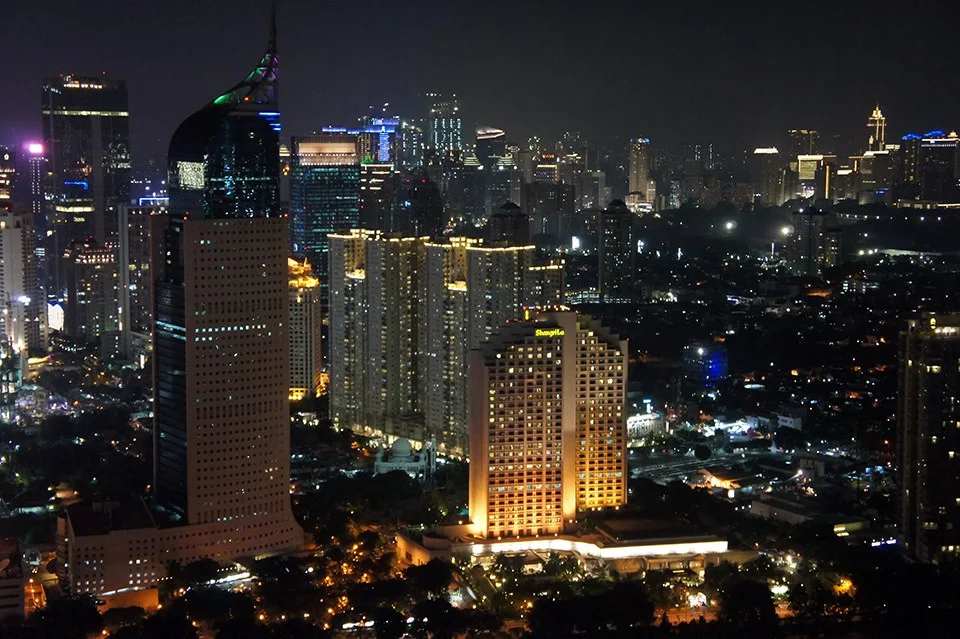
(432,578)
(716,578)
(748,604)
(702,452)
(388,623)
(69,617)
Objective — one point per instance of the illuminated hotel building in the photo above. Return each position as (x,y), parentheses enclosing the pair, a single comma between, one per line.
(221,362)
(547,425)
(928,446)
(306,354)
(404,314)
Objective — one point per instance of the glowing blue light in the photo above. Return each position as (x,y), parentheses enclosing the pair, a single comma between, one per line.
(934,134)
(911,136)
(83,183)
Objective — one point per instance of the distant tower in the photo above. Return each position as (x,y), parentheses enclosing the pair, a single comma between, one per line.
(306,354)
(878,130)
(617,254)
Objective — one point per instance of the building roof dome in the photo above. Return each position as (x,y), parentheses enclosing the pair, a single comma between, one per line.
(401,448)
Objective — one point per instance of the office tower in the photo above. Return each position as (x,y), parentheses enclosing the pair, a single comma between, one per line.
(377,186)
(546,169)
(928,412)
(34,191)
(444,127)
(86,134)
(325,193)
(591,189)
(549,206)
(939,167)
(8,174)
(491,145)
(378,140)
(617,255)
(306,352)
(802,142)
(418,208)
(92,281)
(640,187)
(412,141)
(22,302)
(768,176)
(548,409)
(221,337)
(140,244)
(877,125)
(807,249)
(509,224)
(375,330)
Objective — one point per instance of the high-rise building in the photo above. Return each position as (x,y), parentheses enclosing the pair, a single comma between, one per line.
(548,410)
(12,580)
(617,255)
(444,127)
(412,141)
(377,188)
(221,416)
(491,145)
(769,177)
(325,193)
(93,282)
(140,244)
(939,167)
(306,351)
(877,124)
(807,248)
(86,135)
(641,189)
(928,446)
(22,302)
(404,314)
(802,142)
(36,186)
(418,208)
(8,173)
(509,224)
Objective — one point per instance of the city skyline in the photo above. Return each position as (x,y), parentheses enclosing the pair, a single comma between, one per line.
(676,97)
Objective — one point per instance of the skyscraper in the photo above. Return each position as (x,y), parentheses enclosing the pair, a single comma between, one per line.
(92,281)
(928,446)
(221,362)
(509,224)
(325,193)
(641,189)
(86,134)
(491,145)
(802,142)
(617,255)
(769,177)
(140,244)
(939,167)
(8,173)
(23,305)
(877,124)
(548,409)
(306,352)
(444,127)
(807,252)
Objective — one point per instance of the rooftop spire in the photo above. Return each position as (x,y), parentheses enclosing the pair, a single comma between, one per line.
(272,45)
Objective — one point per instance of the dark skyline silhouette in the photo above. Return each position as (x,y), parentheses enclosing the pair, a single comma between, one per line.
(736,73)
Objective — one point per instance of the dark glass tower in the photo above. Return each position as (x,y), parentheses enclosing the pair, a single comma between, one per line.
(221,437)
(86,135)
(324,194)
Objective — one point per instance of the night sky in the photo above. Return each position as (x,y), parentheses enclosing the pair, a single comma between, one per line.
(736,73)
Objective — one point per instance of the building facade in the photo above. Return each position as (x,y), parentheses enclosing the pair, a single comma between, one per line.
(306,351)
(617,254)
(22,301)
(548,413)
(928,446)
(92,282)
